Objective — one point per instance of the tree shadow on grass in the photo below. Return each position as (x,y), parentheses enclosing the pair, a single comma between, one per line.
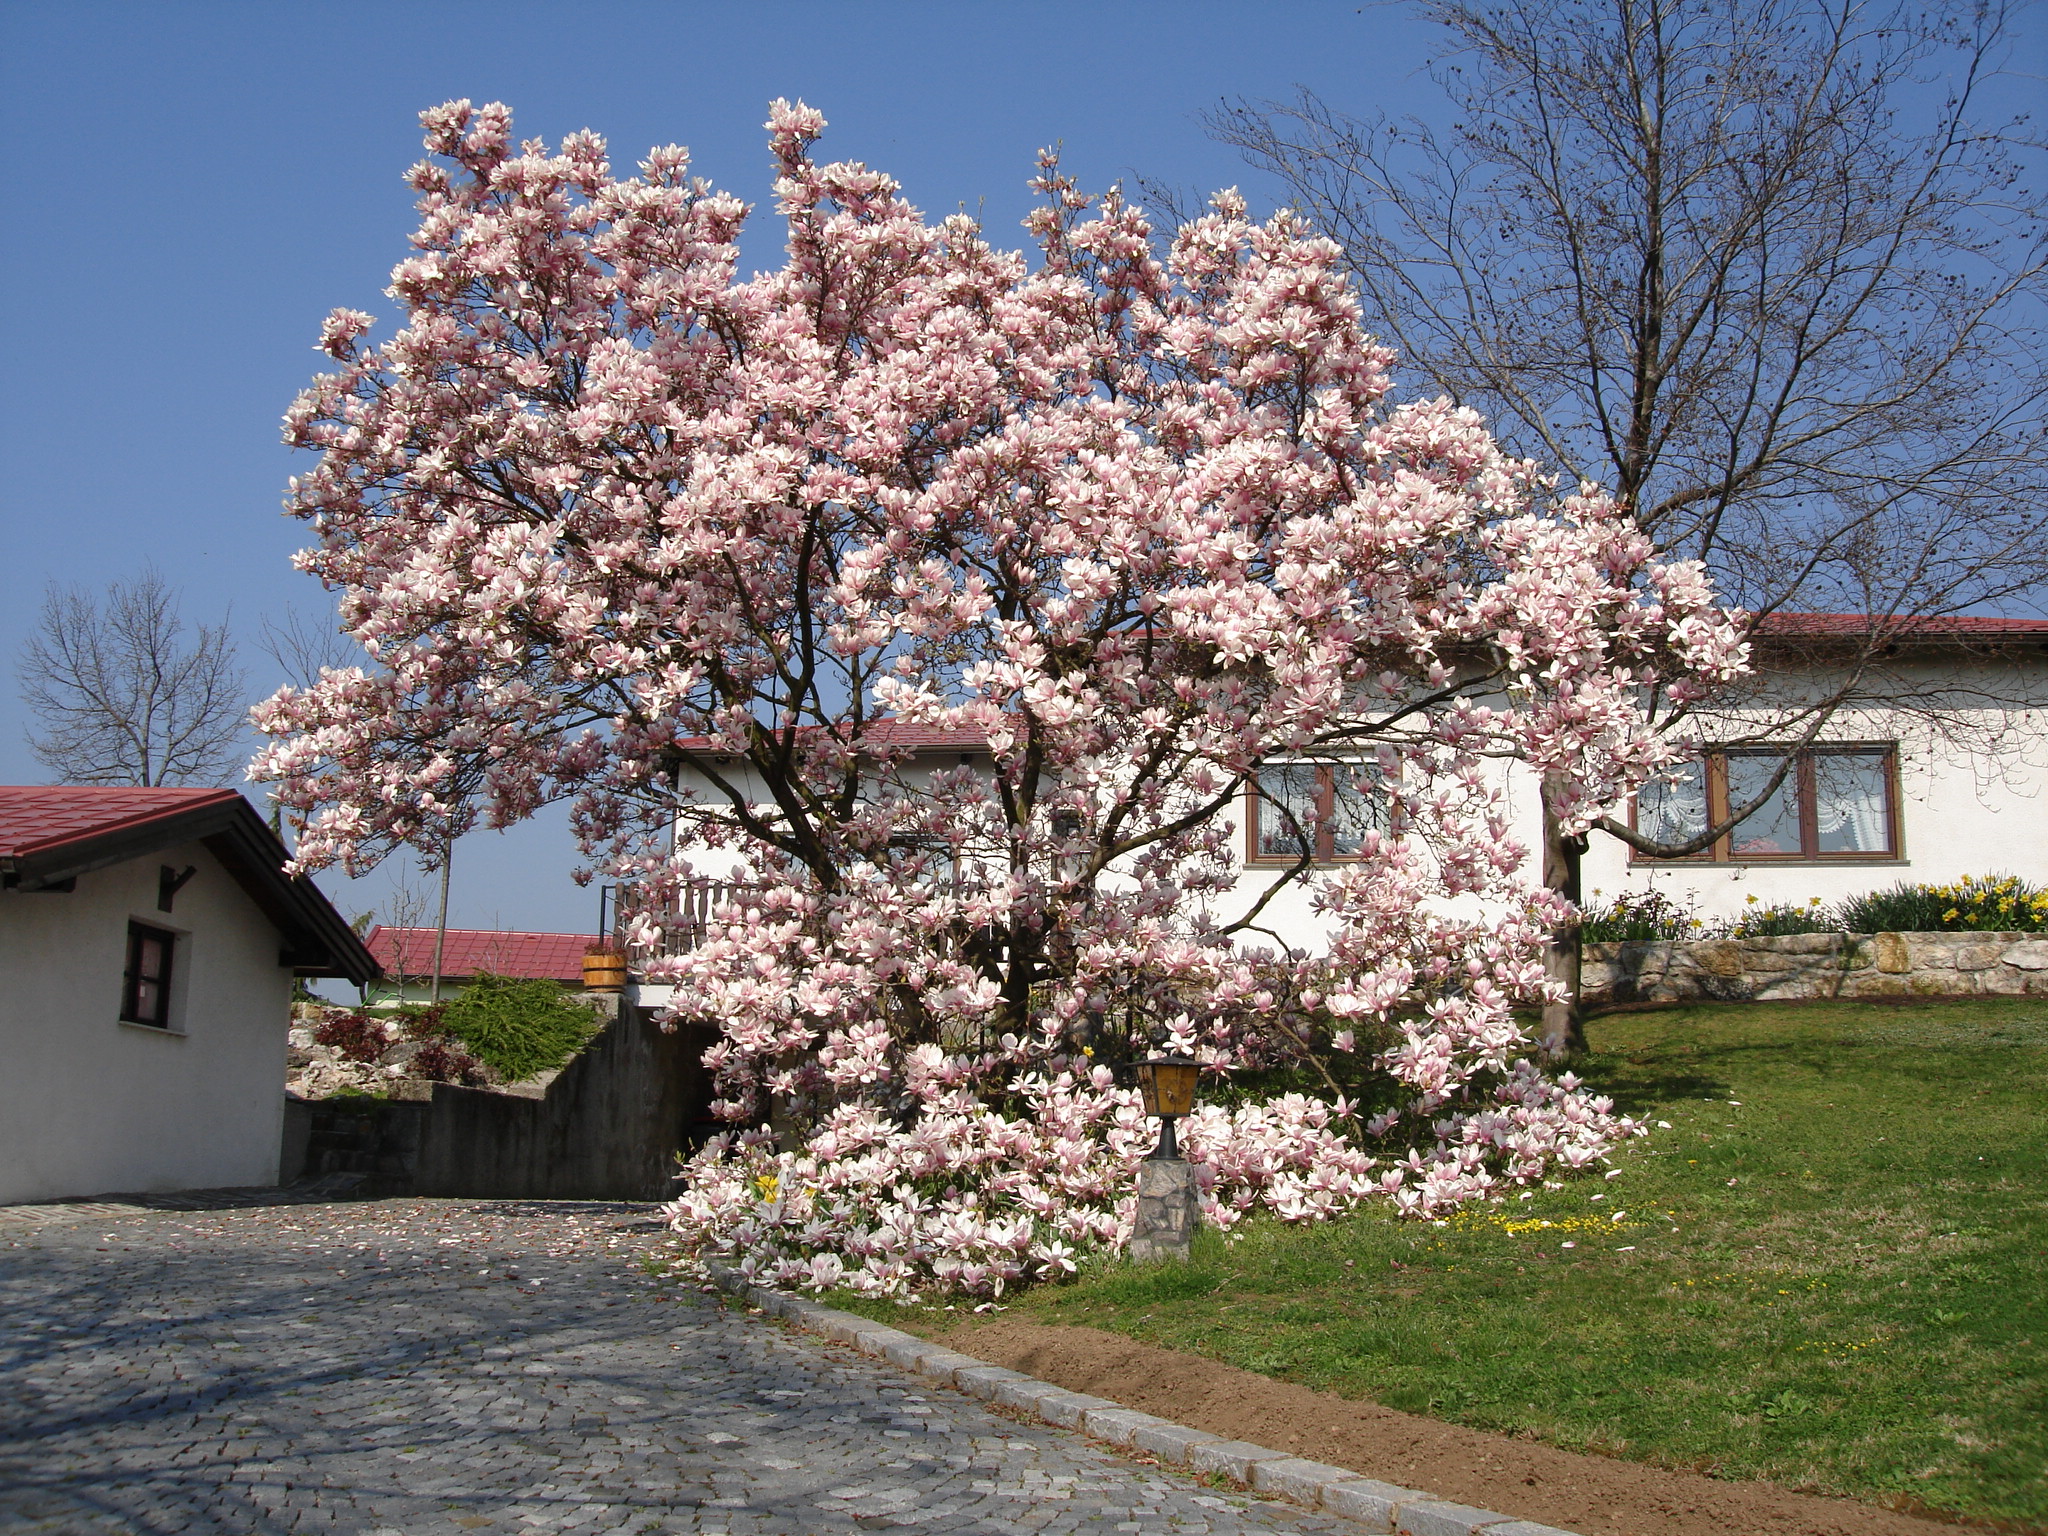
(1639,1085)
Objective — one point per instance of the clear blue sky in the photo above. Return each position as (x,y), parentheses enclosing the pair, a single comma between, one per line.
(192,186)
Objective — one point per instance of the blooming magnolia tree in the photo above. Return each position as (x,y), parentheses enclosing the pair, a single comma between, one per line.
(1132,518)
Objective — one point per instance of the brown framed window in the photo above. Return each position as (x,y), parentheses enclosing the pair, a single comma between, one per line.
(146,984)
(1323,809)
(1837,802)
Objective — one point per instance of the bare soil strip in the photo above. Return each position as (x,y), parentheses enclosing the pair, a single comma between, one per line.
(1593,1495)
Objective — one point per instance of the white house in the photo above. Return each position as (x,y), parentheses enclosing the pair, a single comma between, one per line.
(1951,782)
(148,943)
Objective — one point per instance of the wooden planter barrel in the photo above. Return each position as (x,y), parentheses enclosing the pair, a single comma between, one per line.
(604,973)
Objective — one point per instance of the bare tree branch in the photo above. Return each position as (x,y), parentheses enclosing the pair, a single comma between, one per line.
(120,697)
(303,647)
(1689,249)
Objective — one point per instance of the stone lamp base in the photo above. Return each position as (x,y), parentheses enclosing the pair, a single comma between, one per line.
(1167,1211)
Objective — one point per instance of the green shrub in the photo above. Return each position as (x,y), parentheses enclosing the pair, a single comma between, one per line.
(1975,904)
(1637,915)
(518,1028)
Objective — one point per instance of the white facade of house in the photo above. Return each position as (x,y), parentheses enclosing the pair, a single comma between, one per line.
(90,1104)
(1967,798)
(1956,811)
(1910,800)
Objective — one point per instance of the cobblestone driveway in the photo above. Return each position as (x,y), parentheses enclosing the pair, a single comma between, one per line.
(443,1366)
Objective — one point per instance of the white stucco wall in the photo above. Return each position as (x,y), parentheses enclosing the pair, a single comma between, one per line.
(1971,801)
(90,1105)
(1974,802)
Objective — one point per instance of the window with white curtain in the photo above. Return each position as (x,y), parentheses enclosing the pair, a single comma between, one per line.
(1324,809)
(1834,802)
(1672,808)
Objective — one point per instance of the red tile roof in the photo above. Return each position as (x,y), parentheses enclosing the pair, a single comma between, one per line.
(51,835)
(928,738)
(556,956)
(38,818)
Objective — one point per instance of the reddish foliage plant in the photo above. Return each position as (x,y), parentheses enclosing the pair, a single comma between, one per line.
(359,1037)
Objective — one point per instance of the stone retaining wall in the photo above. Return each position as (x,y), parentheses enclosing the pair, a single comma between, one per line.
(1816,965)
(607,1128)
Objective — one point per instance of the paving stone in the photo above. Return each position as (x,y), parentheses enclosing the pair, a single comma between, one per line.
(436,1367)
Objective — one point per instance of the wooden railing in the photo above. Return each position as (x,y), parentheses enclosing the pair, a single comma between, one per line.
(683,925)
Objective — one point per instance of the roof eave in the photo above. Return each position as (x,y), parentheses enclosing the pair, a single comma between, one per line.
(317,941)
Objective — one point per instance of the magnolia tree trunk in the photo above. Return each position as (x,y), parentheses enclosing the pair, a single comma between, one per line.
(1563,1027)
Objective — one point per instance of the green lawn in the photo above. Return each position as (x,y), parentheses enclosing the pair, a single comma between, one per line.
(1831,1269)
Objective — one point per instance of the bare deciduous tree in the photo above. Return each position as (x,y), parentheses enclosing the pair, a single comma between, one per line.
(304,647)
(121,695)
(1763,267)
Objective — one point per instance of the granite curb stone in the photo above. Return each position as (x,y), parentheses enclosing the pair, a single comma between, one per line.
(1441,1517)
(942,1365)
(1233,1458)
(1070,1410)
(1122,1426)
(1305,1482)
(1370,1502)
(982,1380)
(1375,1505)
(1170,1442)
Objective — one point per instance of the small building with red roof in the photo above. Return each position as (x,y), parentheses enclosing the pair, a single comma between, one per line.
(150,940)
(407,958)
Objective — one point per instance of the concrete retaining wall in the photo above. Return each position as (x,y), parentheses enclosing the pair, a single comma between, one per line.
(1811,965)
(608,1128)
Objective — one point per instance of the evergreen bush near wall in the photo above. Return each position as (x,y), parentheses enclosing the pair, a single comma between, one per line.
(518,1028)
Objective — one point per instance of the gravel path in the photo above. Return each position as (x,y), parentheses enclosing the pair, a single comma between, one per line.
(423,1366)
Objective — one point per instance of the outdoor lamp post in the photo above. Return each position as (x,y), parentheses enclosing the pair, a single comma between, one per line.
(1167,1084)
(1167,1204)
